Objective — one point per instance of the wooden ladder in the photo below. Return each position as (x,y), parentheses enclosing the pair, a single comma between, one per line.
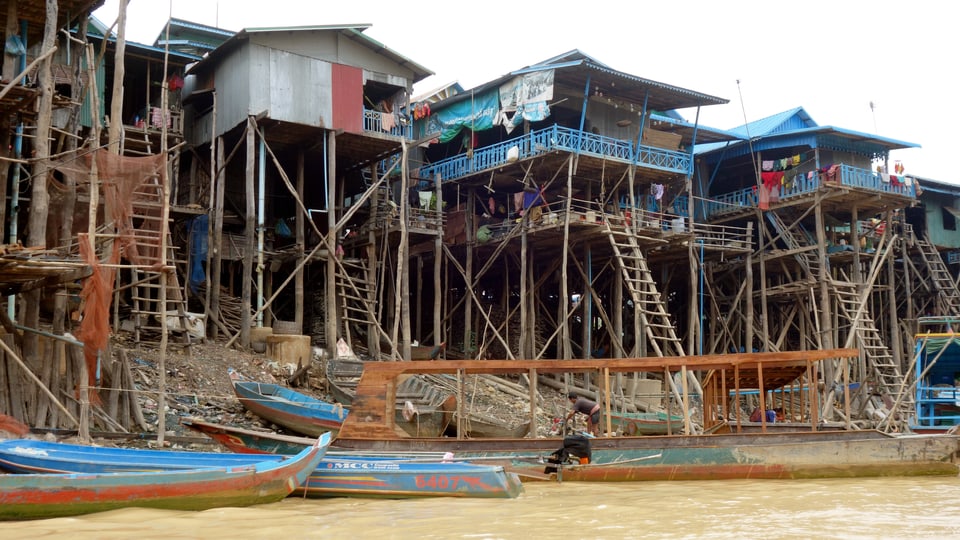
(147,218)
(643,290)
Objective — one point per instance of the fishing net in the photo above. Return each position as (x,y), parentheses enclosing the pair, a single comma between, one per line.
(132,193)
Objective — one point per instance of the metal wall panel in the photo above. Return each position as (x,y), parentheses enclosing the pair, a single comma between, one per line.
(348,98)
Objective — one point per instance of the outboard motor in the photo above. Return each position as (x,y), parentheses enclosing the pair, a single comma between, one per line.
(574,446)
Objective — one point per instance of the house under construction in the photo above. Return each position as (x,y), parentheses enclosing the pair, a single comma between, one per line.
(288,179)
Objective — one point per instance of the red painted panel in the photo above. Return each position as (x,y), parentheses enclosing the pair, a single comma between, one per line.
(347,96)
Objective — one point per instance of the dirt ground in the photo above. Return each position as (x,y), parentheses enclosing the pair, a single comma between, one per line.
(198,385)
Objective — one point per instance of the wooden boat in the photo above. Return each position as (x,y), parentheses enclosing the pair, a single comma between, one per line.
(247,441)
(646,423)
(722,453)
(337,475)
(34,496)
(421,409)
(288,408)
(418,352)
(477,425)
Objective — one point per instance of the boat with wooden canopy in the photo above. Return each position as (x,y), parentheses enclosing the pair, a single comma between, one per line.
(717,448)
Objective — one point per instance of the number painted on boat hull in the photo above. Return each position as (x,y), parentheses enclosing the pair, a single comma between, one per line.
(437,481)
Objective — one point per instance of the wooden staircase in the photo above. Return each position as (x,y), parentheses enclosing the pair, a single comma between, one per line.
(659,329)
(851,300)
(797,240)
(944,287)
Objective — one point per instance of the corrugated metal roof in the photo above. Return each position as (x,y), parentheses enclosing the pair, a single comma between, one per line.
(352,31)
(938,186)
(174,22)
(796,126)
(574,69)
(789,120)
(141,48)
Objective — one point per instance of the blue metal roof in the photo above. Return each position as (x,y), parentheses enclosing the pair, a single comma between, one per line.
(795,127)
(174,22)
(790,120)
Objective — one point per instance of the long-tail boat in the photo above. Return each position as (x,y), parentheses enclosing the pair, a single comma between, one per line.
(717,449)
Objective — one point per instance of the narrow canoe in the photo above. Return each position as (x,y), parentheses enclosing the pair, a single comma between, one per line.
(380,476)
(36,496)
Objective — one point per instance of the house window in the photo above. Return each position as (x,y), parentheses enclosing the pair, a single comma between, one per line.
(949,220)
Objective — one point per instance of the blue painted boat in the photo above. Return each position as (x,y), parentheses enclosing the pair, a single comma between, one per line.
(288,408)
(382,476)
(36,496)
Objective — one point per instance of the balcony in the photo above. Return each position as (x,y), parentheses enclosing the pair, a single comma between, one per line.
(378,122)
(803,183)
(558,138)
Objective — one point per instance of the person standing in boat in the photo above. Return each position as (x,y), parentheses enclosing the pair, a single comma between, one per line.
(586,407)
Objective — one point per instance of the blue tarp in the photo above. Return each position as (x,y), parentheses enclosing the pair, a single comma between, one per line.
(198,251)
(477,114)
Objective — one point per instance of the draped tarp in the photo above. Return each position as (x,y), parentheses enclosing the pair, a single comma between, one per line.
(477,114)
(525,97)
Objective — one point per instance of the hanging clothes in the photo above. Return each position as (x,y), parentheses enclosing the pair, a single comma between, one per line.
(388,121)
(763,198)
(657,191)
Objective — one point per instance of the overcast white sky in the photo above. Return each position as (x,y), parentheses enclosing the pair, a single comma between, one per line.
(831,57)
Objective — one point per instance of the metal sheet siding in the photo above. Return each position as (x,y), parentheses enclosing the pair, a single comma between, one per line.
(347,98)
(300,89)
(86,115)
(232,81)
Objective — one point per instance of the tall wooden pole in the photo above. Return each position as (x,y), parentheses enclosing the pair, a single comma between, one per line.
(211,233)
(40,198)
(216,247)
(468,338)
(164,233)
(330,327)
(116,103)
(249,236)
(298,284)
(564,292)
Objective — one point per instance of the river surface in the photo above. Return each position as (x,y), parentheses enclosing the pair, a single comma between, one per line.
(911,508)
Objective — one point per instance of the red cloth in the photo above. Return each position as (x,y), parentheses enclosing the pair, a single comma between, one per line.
(763,198)
(771,179)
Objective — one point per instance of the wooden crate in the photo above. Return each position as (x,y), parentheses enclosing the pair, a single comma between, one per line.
(661,139)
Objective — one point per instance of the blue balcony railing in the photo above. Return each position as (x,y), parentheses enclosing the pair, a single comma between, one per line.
(558,138)
(373,122)
(805,182)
